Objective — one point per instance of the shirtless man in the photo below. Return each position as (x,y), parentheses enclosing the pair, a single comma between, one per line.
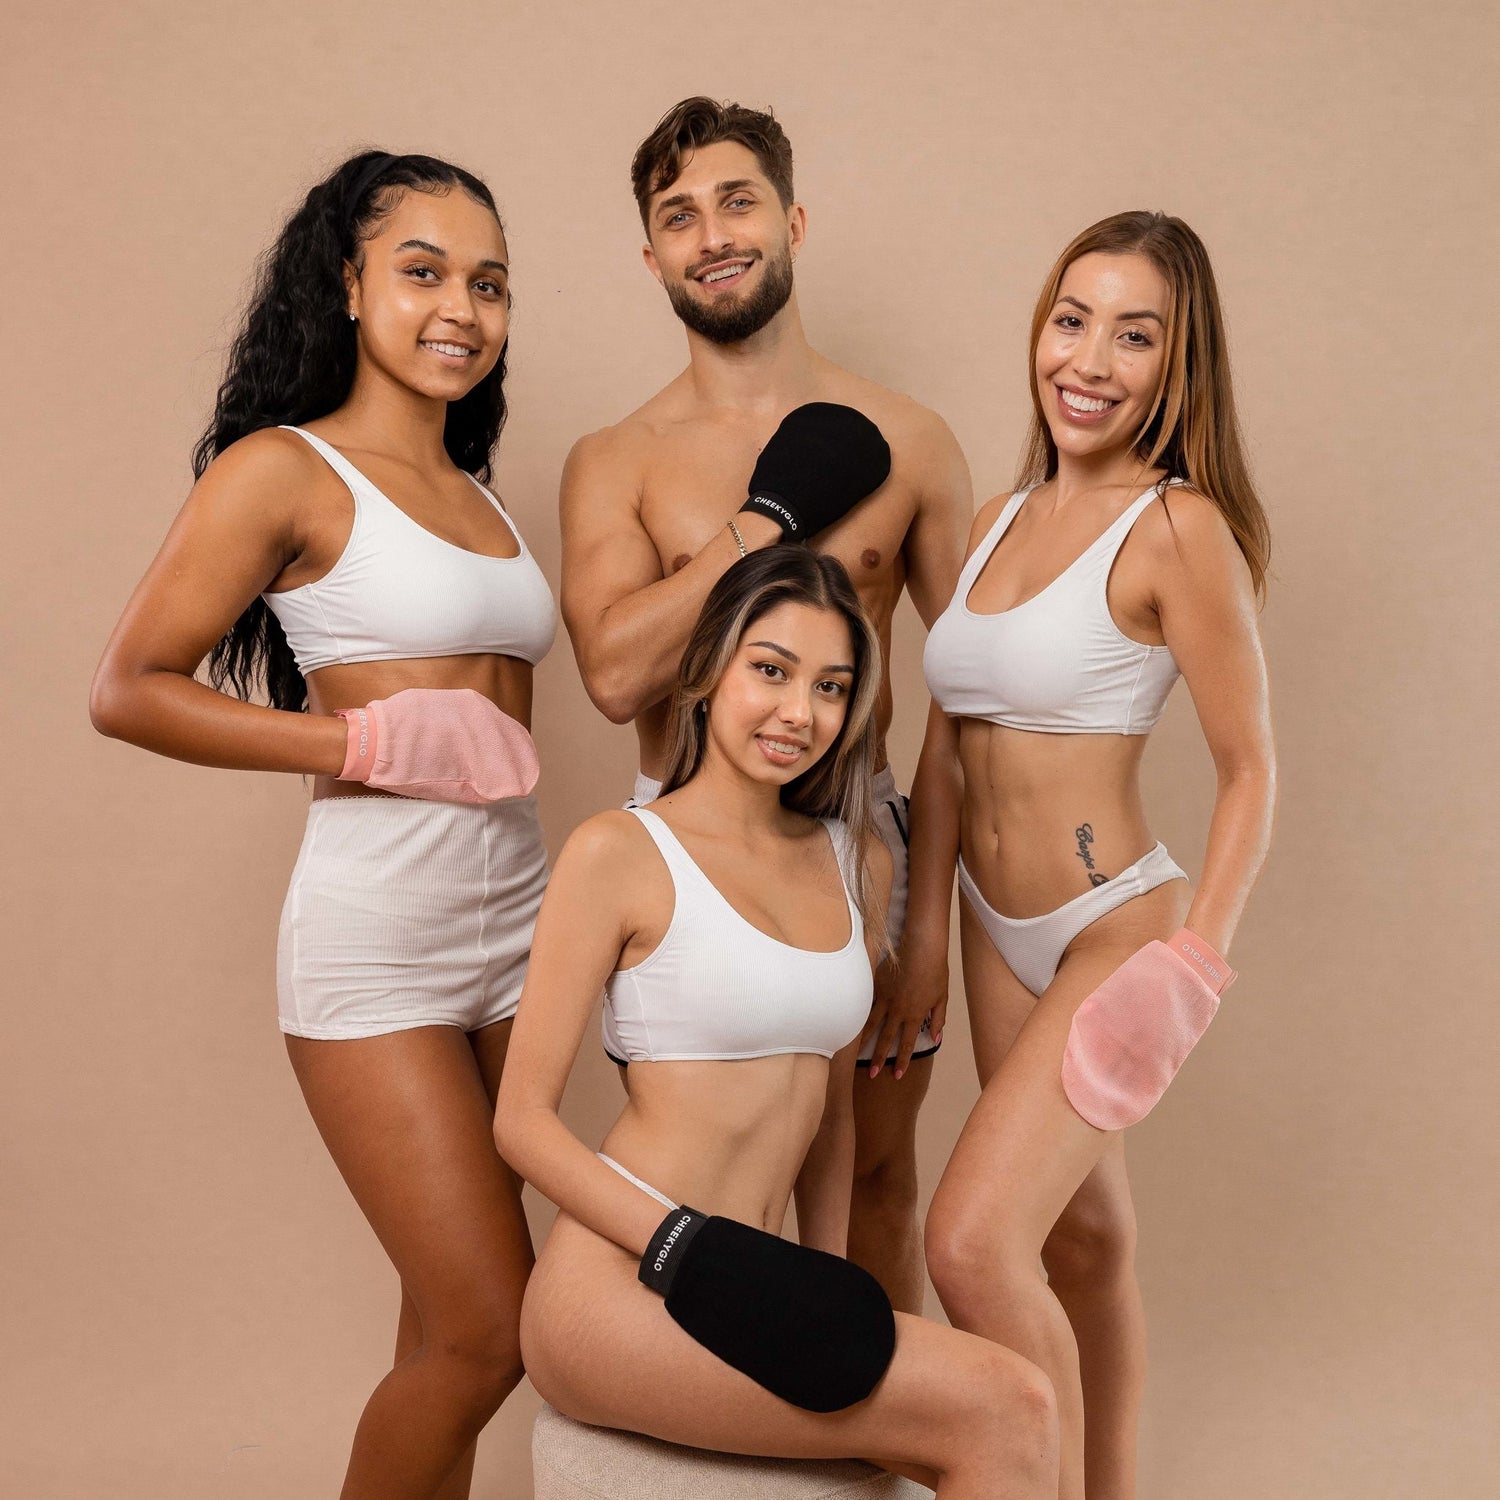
(646,507)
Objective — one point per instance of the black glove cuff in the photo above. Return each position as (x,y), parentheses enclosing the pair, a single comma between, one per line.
(764,503)
(668,1248)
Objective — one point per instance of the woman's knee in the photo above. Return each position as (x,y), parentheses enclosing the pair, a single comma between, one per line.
(1093,1243)
(1013,1418)
(965,1255)
(885,1183)
(480,1344)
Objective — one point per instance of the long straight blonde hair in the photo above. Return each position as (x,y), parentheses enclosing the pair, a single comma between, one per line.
(1191,429)
(839,785)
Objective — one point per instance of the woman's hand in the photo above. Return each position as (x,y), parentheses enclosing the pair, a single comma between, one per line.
(908,991)
(915,988)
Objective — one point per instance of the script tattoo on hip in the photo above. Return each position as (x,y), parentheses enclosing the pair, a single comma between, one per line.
(1084,833)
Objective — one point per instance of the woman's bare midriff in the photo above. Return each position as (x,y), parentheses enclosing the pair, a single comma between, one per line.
(727,1137)
(1048,816)
(504,680)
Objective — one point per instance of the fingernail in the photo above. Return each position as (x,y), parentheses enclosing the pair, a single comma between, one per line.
(899,1072)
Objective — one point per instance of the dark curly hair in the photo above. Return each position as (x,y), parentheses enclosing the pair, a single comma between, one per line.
(293,361)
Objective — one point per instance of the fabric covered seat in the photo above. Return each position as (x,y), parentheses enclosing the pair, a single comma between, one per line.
(572,1461)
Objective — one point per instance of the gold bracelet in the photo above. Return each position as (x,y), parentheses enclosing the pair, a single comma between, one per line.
(739,541)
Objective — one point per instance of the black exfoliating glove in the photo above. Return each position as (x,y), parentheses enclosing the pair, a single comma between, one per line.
(810,1327)
(819,464)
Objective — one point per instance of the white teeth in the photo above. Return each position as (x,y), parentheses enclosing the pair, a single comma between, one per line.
(447,348)
(720,275)
(781,747)
(1084,403)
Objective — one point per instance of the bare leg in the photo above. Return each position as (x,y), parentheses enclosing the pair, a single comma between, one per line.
(1090,1254)
(971,1417)
(1090,1261)
(884,1236)
(1021,1158)
(408,1341)
(407,1118)
(489,1046)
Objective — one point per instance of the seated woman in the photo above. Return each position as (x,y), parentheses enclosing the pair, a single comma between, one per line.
(732,926)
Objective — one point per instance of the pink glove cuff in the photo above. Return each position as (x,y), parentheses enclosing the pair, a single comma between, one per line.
(1191,948)
(364,737)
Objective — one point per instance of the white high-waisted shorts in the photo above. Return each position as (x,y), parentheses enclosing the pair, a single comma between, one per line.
(406,913)
(1033,946)
(894,829)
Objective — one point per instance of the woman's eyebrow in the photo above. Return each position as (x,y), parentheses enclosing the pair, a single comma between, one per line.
(1127,317)
(791,656)
(796,660)
(441,254)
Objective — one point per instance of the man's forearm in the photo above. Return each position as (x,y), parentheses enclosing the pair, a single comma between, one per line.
(630,651)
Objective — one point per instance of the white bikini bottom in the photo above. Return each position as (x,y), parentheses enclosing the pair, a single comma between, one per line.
(629,1176)
(1033,946)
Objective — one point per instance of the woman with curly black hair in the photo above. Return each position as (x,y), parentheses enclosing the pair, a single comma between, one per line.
(340,549)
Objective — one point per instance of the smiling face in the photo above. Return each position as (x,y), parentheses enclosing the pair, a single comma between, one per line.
(722,244)
(431,293)
(1099,359)
(784,695)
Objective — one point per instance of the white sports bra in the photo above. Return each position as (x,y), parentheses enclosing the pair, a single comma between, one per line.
(397,591)
(1056,662)
(717,987)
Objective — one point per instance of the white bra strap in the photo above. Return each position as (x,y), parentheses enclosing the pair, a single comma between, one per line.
(645,1187)
(1113,538)
(992,539)
(677,860)
(334,459)
(494,500)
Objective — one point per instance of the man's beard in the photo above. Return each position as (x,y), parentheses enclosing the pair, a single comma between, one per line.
(733,321)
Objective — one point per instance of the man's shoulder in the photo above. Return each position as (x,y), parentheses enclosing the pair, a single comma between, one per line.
(638,431)
(905,422)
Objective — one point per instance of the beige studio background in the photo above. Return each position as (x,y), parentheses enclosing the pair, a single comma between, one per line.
(191,1304)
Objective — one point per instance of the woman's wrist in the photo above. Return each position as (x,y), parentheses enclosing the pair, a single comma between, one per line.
(334,733)
(924,942)
(1216,932)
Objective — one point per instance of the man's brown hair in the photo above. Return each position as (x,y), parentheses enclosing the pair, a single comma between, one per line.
(699,122)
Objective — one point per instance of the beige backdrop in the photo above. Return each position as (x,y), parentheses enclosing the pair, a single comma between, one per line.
(193,1307)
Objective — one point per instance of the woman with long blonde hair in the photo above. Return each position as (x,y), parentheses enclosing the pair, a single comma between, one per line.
(732,925)
(1133,551)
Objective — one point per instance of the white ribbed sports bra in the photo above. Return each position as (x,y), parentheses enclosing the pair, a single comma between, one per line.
(397,591)
(717,987)
(1056,662)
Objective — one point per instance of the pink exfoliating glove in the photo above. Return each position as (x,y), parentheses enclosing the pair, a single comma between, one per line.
(440,744)
(1130,1036)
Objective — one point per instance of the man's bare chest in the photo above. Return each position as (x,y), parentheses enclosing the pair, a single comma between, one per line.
(685,505)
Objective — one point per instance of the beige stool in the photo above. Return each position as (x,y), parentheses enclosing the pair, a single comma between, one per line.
(572,1461)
